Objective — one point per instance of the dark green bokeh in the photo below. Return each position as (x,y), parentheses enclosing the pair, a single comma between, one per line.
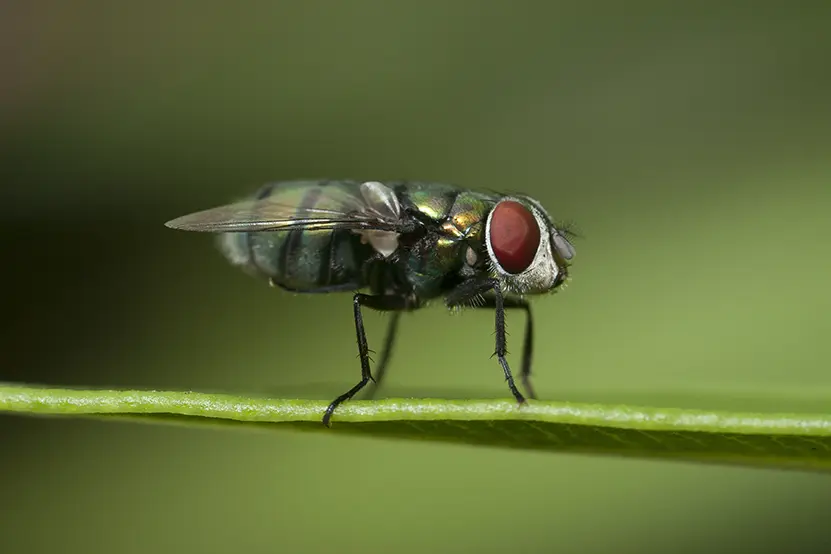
(689,146)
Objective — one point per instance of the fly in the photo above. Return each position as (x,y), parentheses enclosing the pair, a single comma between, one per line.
(396,246)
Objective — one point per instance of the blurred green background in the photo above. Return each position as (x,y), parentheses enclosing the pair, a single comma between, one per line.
(689,144)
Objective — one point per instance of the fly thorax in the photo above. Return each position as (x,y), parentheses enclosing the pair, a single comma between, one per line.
(518,240)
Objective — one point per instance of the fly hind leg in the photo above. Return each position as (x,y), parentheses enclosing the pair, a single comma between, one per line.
(386,354)
(381,303)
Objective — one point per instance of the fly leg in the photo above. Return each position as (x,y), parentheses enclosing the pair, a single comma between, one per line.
(389,342)
(474,289)
(381,303)
(528,341)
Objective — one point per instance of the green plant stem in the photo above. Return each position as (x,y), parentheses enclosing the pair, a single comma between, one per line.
(54,401)
(786,440)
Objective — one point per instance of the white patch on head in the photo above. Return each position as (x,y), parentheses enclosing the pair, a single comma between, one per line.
(563,246)
(541,275)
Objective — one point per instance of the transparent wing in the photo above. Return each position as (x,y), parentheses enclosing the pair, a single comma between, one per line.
(322,205)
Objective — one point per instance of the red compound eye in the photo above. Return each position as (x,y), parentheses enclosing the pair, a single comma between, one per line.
(514,236)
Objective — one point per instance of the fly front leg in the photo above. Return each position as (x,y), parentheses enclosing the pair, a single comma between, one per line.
(381,303)
(470,290)
(528,341)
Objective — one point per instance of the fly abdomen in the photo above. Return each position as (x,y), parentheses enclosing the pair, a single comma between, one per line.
(299,259)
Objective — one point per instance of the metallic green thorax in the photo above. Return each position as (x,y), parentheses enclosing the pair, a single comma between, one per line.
(460,215)
(447,246)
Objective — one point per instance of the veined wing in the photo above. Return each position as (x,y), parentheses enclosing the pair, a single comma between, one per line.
(314,205)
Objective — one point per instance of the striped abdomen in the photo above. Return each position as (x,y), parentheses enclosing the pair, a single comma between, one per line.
(297,259)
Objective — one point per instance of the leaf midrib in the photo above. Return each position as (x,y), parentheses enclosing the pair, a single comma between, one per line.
(57,401)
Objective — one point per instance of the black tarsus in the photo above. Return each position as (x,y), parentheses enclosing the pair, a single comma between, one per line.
(393,303)
(472,289)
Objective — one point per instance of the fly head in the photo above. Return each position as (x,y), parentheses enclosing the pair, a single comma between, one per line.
(527,252)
